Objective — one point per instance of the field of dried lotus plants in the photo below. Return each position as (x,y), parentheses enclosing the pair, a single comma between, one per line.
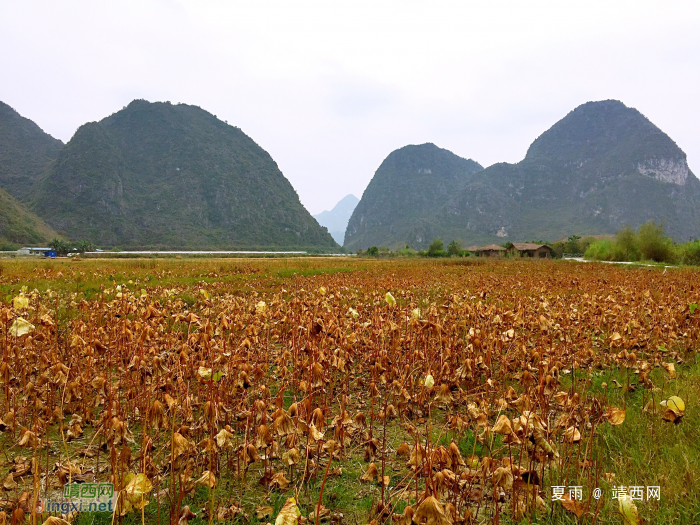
(350,391)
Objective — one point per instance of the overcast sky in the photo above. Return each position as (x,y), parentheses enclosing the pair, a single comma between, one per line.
(330,88)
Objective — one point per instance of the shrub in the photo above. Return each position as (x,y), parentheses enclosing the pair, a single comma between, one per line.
(689,253)
(598,250)
(585,243)
(558,248)
(653,244)
(407,251)
(627,244)
(648,243)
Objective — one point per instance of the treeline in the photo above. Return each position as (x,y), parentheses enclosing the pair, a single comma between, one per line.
(648,243)
(574,246)
(436,249)
(62,247)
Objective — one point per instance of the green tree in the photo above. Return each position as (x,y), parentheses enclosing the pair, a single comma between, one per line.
(83,246)
(59,246)
(627,241)
(572,244)
(454,248)
(436,247)
(373,251)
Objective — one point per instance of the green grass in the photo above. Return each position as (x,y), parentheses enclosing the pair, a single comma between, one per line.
(88,276)
(645,450)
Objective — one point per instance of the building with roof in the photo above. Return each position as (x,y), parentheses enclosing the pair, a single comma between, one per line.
(490,250)
(29,250)
(530,249)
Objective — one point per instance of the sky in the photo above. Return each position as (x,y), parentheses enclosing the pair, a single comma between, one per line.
(330,88)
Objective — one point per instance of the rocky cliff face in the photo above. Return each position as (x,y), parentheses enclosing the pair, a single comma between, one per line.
(674,171)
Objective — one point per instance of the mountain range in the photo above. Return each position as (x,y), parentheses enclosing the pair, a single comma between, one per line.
(336,220)
(160,175)
(601,167)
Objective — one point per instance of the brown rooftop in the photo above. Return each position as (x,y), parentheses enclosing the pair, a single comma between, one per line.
(523,246)
(491,247)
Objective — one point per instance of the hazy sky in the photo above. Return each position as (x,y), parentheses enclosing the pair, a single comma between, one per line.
(330,88)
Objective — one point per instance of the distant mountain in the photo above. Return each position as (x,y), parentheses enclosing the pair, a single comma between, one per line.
(601,167)
(158,175)
(25,152)
(19,226)
(337,219)
(401,202)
